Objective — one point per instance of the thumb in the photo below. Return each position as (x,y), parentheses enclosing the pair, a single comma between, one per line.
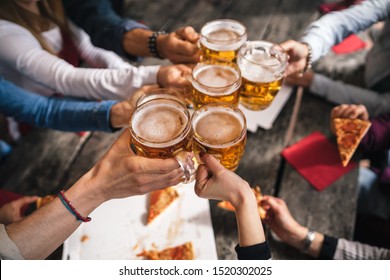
(202,177)
(26,200)
(212,164)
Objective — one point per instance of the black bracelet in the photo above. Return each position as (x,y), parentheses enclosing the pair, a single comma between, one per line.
(152,43)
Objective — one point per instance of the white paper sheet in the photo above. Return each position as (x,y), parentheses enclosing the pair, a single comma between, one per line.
(266,118)
(118,229)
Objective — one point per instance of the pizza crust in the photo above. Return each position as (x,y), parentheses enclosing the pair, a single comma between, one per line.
(259,197)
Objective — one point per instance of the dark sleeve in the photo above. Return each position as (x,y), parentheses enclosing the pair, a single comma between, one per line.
(328,248)
(259,251)
(99,20)
(378,136)
(51,112)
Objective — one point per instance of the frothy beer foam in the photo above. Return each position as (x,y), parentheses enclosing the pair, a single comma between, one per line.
(259,68)
(216,76)
(160,123)
(218,127)
(223,35)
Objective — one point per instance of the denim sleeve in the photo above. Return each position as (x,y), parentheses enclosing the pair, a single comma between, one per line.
(99,20)
(51,112)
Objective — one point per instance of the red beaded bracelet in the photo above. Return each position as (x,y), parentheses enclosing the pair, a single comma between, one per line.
(71,209)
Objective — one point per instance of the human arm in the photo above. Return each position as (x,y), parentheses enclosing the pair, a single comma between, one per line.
(331,29)
(61,113)
(100,21)
(340,93)
(213,181)
(118,174)
(127,37)
(282,223)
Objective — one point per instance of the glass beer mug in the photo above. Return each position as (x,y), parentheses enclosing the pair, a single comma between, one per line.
(221,39)
(220,130)
(214,82)
(161,128)
(262,66)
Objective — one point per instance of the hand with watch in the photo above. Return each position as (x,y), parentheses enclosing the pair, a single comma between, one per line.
(283,224)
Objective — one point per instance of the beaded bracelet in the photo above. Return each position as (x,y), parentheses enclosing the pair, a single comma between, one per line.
(71,209)
(152,43)
(309,59)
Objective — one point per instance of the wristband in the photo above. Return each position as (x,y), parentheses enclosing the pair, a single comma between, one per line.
(71,209)
(309,59)
(308,240)
(152,43)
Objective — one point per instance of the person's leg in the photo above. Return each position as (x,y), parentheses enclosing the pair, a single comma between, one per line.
(372,200)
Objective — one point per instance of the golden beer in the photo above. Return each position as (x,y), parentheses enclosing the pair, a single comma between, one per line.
(221,39)
(212,83)
(220,130)
(161,128)
(262,66)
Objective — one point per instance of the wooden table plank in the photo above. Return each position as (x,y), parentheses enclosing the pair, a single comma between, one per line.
(38,162)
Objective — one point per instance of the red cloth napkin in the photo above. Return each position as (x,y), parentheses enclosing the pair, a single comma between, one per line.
(317,160)
(350,44)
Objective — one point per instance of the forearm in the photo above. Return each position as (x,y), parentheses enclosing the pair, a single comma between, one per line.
(334,27)
(340,93)
(297,240)
(55,113)
(99,20)
(39,234)
(250,228)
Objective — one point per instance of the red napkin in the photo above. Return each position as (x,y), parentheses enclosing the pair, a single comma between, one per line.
(317,160)
(337,6)
(350,44)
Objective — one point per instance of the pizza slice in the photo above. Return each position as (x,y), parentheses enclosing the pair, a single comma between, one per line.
(349,133)
(159,200)
(256,190)
(181,252)
(41,201)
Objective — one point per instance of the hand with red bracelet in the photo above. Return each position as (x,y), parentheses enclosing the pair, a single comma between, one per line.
(118,174)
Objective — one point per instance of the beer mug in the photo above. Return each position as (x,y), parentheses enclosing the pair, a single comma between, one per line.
(161,128)
(213,82)
(161,93)
(221,39)
(262,66)
(220,130)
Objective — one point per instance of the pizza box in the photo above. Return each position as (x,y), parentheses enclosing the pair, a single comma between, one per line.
(118,229)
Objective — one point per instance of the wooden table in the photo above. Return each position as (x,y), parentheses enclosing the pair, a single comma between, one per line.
(47,161)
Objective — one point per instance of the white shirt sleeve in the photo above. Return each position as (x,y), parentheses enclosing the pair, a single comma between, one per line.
(20,51)
(8,249)
(332,28)
(340,93)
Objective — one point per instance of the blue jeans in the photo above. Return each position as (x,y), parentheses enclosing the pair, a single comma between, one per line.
(372,200)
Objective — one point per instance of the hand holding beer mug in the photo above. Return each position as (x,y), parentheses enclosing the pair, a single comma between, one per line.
(262,66)
(220,130)
(161,128)
(214,82)
(221,39)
